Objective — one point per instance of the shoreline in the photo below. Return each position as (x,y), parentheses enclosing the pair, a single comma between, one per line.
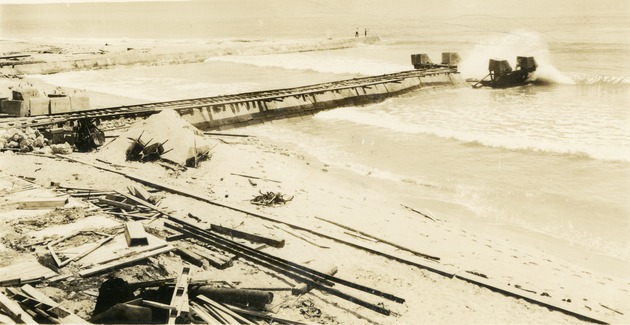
(373,205)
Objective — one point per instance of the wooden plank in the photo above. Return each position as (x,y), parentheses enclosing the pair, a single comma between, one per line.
(189,255)
(135,234)
(215,259)
(117,204)
(204,315)
(24,272)
(42,203)
(13,309)
(179,300)
(224,309)
(125,262)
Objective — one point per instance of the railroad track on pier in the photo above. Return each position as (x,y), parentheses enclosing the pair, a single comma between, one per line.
(144,110)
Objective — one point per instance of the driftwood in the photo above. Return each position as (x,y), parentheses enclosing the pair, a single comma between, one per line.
(418,212)
(255,177)
(270,199)
(227,135)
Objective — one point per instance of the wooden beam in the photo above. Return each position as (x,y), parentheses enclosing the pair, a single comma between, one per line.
(42,203)
(124,206)
(135,234)
(125,261)
(179,300)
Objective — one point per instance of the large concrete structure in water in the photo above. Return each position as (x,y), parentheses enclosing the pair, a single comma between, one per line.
(231,111)
(259,107)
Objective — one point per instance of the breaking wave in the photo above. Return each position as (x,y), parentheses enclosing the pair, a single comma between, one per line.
(541,142)
(517,43)
(590,79)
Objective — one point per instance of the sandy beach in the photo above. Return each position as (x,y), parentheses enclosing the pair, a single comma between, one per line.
(596,286)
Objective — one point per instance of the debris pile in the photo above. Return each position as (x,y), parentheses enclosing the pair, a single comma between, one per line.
(163,136)
(270,199)
(111,259)
(140,151)
(23,140)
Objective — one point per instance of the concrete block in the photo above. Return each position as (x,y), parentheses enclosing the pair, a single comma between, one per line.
(39,106)
(25,94)
(14,108)
(79,103)
(60,105)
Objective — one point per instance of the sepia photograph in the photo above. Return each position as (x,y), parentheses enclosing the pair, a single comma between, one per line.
(314,162)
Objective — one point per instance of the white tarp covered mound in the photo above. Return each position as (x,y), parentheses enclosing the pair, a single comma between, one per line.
(182,139)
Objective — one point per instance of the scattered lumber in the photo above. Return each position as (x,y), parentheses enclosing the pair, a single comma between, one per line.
(43,303)
(13,309)
(125,261)
(218,308)
(121,205)
(215,259)
(301,273)
(436,268)
(80,255)
(188,255)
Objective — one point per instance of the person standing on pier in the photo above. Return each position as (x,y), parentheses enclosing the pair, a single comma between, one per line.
(356,34)
(365,32)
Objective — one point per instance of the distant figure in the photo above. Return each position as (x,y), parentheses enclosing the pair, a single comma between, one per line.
(356,34)
(365,32)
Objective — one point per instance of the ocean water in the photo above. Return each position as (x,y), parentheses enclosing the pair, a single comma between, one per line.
(551,158)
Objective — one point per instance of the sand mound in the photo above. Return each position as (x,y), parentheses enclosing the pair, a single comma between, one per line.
(180,139)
